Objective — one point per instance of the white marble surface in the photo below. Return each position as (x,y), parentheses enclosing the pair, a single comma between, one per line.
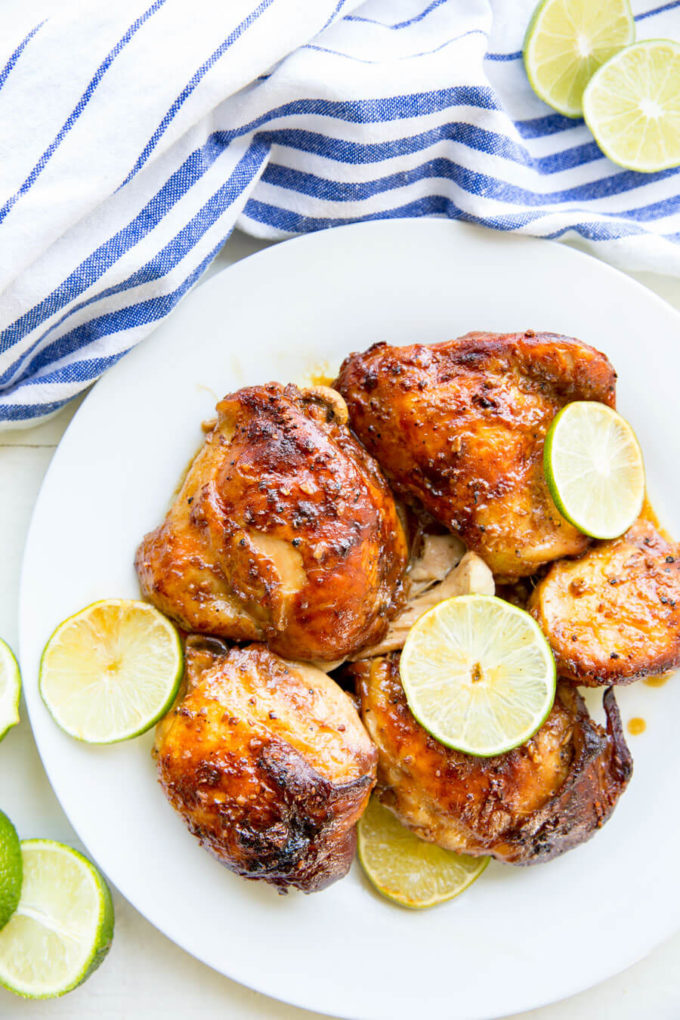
(145,975)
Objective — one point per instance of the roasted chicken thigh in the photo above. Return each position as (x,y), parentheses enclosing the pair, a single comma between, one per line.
(284,531)
(613,615)
(268,763)
(523,807)
(459,427)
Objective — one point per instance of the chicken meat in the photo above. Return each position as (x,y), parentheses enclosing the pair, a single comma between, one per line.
(268,764)
(471,574)
(459,427)
(284,531)
(523,807)
(613,615)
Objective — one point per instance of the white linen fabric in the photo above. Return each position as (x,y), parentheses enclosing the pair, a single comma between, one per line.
(134,136)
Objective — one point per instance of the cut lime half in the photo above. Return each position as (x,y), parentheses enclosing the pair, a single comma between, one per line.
(567,41)
(478,674)
(63,926)
(10,689)
(10,869)
(111,671)
(594,469)
(632,106)
(405,868)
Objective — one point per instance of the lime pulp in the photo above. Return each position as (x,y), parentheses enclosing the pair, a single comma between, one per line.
(478,674)
(62,927)
(405,868)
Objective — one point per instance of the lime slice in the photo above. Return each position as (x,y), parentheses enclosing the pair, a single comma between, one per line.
(10,869)
(632,106)
(566,42)
(62,929)
(478,674)
(594,469)
(405,868)
(10,689)
(111,671)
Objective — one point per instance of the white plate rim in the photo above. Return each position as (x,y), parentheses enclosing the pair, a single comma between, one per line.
(259,263)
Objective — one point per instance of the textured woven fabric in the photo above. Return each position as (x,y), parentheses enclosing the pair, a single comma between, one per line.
(134,136)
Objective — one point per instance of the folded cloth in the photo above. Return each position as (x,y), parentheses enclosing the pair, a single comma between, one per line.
(135,135)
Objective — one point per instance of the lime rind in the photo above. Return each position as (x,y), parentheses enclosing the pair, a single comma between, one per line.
(406,869)
(111,671)
(565,44)
(10,689)
(622,105)
(11,869)
(438,662)
(63,926)
(594,469)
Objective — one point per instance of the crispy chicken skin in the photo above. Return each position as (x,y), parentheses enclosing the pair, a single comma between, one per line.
(523,807)
(460,427)
(613,615)
(284,531)
(268,764)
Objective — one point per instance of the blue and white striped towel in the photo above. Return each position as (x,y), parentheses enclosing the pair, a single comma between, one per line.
(134,136)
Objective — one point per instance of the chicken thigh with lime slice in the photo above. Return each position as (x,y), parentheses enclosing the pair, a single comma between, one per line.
(459,427)
(523,807)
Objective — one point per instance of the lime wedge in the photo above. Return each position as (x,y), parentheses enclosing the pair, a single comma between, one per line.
(10,689)
(632,106)
(10,869)
(594,469)
(63,926)
(405,868)
(566,42)
(478,674)
(111,671)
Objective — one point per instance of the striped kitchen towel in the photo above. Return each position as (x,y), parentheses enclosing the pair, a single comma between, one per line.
(134,136)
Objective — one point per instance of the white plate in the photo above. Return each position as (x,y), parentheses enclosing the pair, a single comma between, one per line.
(518,938)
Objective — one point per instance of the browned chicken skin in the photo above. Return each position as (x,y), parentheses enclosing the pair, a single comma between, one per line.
(284,531)
(613,615)
(523,807)
(268,763)
(460,427)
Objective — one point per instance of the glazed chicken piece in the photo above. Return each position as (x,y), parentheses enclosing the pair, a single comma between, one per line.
(268,764)
(523,807)
(459,427)
(613,615)
(284,531)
